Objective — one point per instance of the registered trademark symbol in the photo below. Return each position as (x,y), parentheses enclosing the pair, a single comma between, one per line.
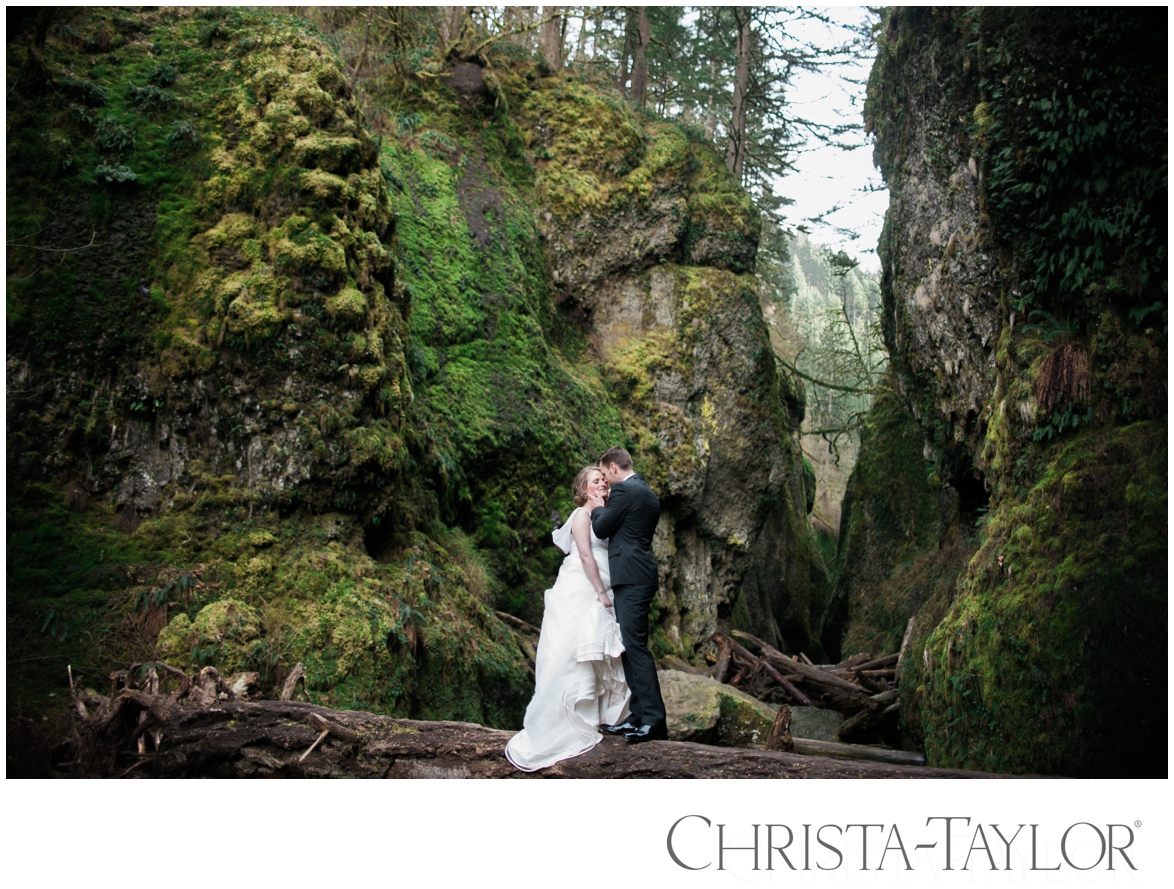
(1137,824)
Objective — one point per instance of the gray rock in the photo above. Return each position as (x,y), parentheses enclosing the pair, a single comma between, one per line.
(703,710)
(815,724)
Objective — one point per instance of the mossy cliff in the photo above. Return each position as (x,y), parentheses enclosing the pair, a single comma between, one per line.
(208,419)
(281,389)
(1024,291)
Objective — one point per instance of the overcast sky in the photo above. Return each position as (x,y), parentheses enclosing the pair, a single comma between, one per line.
(830,177)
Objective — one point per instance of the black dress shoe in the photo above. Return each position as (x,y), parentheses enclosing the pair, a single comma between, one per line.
(621,728)
(658,732)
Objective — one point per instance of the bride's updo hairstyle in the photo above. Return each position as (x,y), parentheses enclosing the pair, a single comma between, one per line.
(579,488)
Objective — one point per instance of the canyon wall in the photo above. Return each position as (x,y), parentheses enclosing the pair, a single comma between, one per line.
(1019,513)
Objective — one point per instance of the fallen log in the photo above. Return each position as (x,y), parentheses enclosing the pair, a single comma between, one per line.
(237,739)
(868,703)
(871,753)
(517,623)
(889,661)
(817,675)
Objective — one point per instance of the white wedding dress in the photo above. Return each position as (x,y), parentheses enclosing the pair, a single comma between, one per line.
(578,676)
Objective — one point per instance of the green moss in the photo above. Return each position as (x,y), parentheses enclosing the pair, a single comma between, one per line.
(891,516)
(595,156)
(222,633)
(591,143)
(349,305)
(808,485)
(1040,651)
(345,369)
(742,723)
(500,395)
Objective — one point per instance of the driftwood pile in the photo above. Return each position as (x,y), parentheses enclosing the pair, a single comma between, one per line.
(206,726)
(862,688)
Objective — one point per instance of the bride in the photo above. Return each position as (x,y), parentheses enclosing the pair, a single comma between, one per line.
(579,678)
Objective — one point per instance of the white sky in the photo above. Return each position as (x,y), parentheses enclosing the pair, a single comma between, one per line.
(829,177)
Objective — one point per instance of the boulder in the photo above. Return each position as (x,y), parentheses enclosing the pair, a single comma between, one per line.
(815,724)
(705,711)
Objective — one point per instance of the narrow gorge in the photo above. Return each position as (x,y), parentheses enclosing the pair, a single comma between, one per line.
(304,353)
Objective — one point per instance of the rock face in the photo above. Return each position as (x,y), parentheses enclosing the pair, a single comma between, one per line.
(1024,295)
(656,261)
(323,398)
(815,724)
(705,711)
(686,346)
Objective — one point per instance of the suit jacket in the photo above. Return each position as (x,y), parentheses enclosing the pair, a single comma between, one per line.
(627,521)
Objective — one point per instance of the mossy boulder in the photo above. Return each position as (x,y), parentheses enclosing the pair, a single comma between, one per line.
(815,724)
(1045,661)
(705,711)
(657,358)
(224,633)
(620,192)
(683,348)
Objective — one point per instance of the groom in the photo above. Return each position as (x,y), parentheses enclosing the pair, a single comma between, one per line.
(627,521)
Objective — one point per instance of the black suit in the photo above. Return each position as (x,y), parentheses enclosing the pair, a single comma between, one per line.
(627,522)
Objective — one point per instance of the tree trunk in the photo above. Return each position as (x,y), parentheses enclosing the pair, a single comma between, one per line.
(552,37)
(150,735)
(736,148)
(581,41)
(622,79)
(450,24)
(639,90)
(710,37)
(710,114)
(366,42)
(520,18)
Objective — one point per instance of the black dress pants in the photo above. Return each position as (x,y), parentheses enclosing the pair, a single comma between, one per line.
(632,602)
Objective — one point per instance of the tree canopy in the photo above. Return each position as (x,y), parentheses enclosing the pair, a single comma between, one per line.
(724,71)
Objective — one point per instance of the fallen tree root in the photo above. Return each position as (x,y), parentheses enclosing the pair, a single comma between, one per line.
(238,739)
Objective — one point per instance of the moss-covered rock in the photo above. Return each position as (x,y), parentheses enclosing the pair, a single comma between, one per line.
(895,520)
(223,632)
(679,349)
(1041,663)
(705,711)
(623,193)
(1029,346)
(815,724)
(250,378)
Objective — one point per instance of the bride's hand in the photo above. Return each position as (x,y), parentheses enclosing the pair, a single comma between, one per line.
(603,599)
